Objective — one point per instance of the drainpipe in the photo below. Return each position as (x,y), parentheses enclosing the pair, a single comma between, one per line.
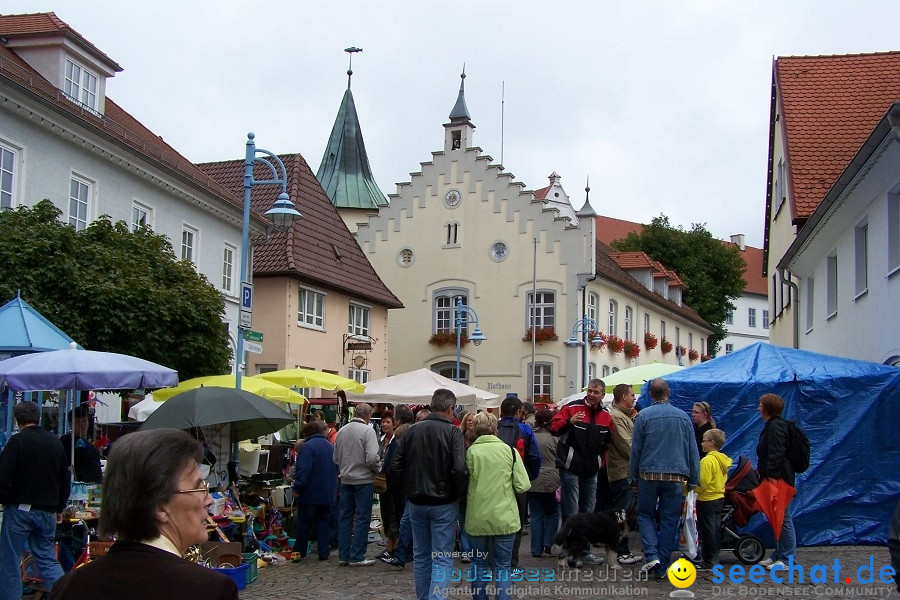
(795,309)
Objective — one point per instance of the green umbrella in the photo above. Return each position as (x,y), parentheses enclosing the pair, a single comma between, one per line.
(250,415)
(637,376)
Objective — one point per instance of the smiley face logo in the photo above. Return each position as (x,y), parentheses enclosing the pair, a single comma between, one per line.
(682,573)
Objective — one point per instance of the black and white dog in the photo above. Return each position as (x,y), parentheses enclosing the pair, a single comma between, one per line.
(582,530)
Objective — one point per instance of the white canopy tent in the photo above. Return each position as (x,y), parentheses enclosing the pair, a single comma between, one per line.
(417,387)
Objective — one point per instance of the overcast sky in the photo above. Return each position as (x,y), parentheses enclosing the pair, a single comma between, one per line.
(664,104)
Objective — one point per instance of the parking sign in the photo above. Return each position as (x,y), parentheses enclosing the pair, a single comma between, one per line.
(246,296)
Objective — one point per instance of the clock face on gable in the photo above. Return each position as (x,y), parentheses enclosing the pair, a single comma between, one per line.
(452,199)
(499,251)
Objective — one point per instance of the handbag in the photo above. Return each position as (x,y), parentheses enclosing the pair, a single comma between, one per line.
(380,485)
(689,537)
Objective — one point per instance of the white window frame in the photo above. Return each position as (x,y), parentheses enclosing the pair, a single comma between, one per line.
(443,306)
(140,211)
(359,319)
(359,375)
(893,231)
(541,376)
(451,234)
(861,257)
(831,286)
(78,221)
(646,322)
(751,317)
(593,303)
(544,309)
(729,316)
(810,303)
(311,308)
(690,341)
(780,186)
(613,317)
(9,170)
(604,371)
(190,243)
(629,333)
(229,268)
(765,318)
(729,348)
(81,85)
(662,330)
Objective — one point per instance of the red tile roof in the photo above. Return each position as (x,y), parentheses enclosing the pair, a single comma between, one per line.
(610,230)
(37,24)
(633,260)
(319,249)
(541,194)
(830,104)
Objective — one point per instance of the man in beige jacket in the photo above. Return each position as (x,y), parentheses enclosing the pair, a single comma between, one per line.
(622,411)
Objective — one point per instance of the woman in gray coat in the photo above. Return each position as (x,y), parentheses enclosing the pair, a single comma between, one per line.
(542,503)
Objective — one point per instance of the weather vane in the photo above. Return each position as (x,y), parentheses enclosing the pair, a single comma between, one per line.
(351,51)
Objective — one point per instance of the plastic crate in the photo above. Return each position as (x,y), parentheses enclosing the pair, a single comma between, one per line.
(250,558)
(239,574)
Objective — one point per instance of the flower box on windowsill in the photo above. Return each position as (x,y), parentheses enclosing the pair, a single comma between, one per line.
(541,335)
(593,335)
(693,355)
(615,344)
(666,346)
(650,341)
(632,349)
(448,338)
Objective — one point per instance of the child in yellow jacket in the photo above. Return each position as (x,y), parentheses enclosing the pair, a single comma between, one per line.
(711,496)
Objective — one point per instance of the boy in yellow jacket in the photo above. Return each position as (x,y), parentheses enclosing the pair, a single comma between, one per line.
(711,496)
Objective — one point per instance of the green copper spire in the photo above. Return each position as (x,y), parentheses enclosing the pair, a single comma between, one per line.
(344,172)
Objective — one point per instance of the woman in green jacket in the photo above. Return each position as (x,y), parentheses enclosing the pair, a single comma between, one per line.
(496,475)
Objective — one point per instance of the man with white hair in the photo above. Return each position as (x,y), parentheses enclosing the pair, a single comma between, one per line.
(356,455)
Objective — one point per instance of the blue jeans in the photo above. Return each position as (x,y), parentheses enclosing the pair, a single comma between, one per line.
(464,545)
(660,539)
(499,547)
(404,541)
(309,515)
(544,520)
(786,546)
(36,528)
(579,493)
(434,536)
(356,502)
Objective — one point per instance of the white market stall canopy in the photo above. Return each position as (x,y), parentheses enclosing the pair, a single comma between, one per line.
(417,387)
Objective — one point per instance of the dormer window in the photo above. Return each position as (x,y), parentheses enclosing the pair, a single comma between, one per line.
(81,85)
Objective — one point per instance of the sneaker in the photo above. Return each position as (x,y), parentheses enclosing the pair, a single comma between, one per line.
(590,559)
(384,555)
(777,565)
(629,559)
(766,563)
(344,563)
(366,562)
(650,565)
(548,550)
(393,561)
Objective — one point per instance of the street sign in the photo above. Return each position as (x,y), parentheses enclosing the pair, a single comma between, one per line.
(253,347)
(359,346)
(253,336)
(246,319)
(246,296)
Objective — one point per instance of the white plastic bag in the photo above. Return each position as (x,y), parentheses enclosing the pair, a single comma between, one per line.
(688,541)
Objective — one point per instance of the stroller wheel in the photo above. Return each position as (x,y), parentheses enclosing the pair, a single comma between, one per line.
(749,549)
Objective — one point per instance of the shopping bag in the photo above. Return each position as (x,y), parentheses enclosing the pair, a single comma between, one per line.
(688,541)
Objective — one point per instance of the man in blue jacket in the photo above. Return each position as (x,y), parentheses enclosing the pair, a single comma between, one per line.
(315,488)
(663,456)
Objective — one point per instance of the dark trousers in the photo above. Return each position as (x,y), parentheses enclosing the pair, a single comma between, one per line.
(308,516)
(517,542)
(709,528)
(622,499)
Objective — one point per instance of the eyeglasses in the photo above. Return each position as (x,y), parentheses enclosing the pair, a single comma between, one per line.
(204,489)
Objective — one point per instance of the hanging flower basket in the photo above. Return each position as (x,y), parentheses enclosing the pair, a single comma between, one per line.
(448,338)
(650,341)
(592,335)
(632,349)
(693,355)
(541,335)
(705,357)
(615,344)
(666,346)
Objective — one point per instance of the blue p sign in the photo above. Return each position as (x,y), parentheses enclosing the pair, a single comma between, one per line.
(246,296)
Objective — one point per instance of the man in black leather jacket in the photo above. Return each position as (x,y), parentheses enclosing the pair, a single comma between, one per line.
(430,461)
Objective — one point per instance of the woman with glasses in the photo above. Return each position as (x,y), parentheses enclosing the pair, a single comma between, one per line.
(154,505)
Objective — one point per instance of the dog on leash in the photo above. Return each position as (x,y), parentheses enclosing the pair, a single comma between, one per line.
(582,530)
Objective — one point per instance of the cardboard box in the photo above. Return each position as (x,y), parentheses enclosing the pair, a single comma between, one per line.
(213,551)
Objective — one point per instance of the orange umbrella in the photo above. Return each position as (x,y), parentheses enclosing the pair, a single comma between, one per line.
(773,497)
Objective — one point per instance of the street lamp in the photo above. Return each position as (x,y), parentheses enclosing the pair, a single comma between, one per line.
(282,214)
(465,315)
(585,325)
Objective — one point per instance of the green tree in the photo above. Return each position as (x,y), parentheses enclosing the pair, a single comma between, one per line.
(713,272)
(114,290)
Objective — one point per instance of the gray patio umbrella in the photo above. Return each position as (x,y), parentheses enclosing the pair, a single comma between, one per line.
(250,415)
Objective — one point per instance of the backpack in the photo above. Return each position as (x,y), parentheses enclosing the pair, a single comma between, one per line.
(798,448)
(509,432)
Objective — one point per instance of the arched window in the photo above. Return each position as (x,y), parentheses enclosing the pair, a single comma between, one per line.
(629,328)
(448,369)
(613,317)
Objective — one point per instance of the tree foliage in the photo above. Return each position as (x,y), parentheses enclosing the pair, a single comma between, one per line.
(713,272)
(114,290)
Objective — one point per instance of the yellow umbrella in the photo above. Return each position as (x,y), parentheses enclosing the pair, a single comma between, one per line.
(308,378)
(260,387)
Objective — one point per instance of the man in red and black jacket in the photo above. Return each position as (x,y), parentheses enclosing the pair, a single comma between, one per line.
(584,429)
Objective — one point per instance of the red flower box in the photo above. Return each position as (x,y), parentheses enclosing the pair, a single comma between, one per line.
(632,349)
(666,346)
(615,344)
(693,354)
(448,338)
(541,335)
(650,341)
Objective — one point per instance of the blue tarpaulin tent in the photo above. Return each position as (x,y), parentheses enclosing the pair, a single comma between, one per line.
(848,408)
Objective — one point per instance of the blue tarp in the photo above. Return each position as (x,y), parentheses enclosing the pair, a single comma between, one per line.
(850,410)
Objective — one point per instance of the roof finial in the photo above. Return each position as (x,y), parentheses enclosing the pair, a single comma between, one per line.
(586,210)
(351,51)
(587,189)
(460,111)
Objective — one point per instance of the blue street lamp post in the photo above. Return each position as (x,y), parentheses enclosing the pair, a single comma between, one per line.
(465,316)
(282,214)
(585,325)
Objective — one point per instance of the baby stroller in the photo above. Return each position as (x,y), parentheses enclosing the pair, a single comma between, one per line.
(740,505)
